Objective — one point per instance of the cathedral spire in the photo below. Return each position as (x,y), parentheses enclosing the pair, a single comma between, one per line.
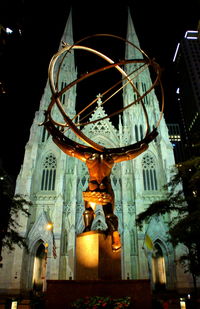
(67,36)
(68,71)
(132,53)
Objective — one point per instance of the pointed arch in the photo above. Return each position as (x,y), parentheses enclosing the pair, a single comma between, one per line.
(159,265)
(49,165)
(39,233)
(40,240)
(149,170)
(157,255)
(39,268)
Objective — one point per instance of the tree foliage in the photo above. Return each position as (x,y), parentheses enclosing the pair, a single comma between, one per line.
(11,207)
(183,204)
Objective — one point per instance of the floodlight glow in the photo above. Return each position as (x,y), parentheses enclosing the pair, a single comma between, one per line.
(49,226)
(182,303)
(8,30)
(14,304)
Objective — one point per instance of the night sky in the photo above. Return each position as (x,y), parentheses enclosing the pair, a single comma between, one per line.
(25,57)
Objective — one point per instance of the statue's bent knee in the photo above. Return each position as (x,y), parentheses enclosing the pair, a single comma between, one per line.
(112,222)
(88,216)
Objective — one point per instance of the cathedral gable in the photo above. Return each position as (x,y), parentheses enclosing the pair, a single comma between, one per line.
(102,131)
(38,230)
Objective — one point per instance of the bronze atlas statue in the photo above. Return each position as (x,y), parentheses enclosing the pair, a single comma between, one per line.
(99,159)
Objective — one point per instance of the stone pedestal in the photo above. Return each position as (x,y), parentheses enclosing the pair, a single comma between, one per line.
(95,259)
(98,273)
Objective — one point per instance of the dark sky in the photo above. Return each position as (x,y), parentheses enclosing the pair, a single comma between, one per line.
(160,25)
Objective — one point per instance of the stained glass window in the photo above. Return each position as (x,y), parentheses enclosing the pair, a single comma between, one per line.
(49,173)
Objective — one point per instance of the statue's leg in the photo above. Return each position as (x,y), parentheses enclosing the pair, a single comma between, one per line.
(88,217)
(112,223)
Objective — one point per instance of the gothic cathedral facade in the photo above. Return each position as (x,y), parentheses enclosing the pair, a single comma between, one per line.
(54,183)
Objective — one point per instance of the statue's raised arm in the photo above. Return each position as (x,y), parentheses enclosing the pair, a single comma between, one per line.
(68,146)
(129,153)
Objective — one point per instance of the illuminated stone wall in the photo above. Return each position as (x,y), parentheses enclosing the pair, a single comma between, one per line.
(58,198)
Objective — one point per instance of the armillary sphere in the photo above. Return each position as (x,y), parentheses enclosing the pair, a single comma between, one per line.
(127,79)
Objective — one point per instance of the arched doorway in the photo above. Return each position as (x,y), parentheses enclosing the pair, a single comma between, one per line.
(158,268)
(39,269)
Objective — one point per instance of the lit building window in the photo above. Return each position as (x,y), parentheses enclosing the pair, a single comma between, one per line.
(149,173)
(49,173)
(176,138)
